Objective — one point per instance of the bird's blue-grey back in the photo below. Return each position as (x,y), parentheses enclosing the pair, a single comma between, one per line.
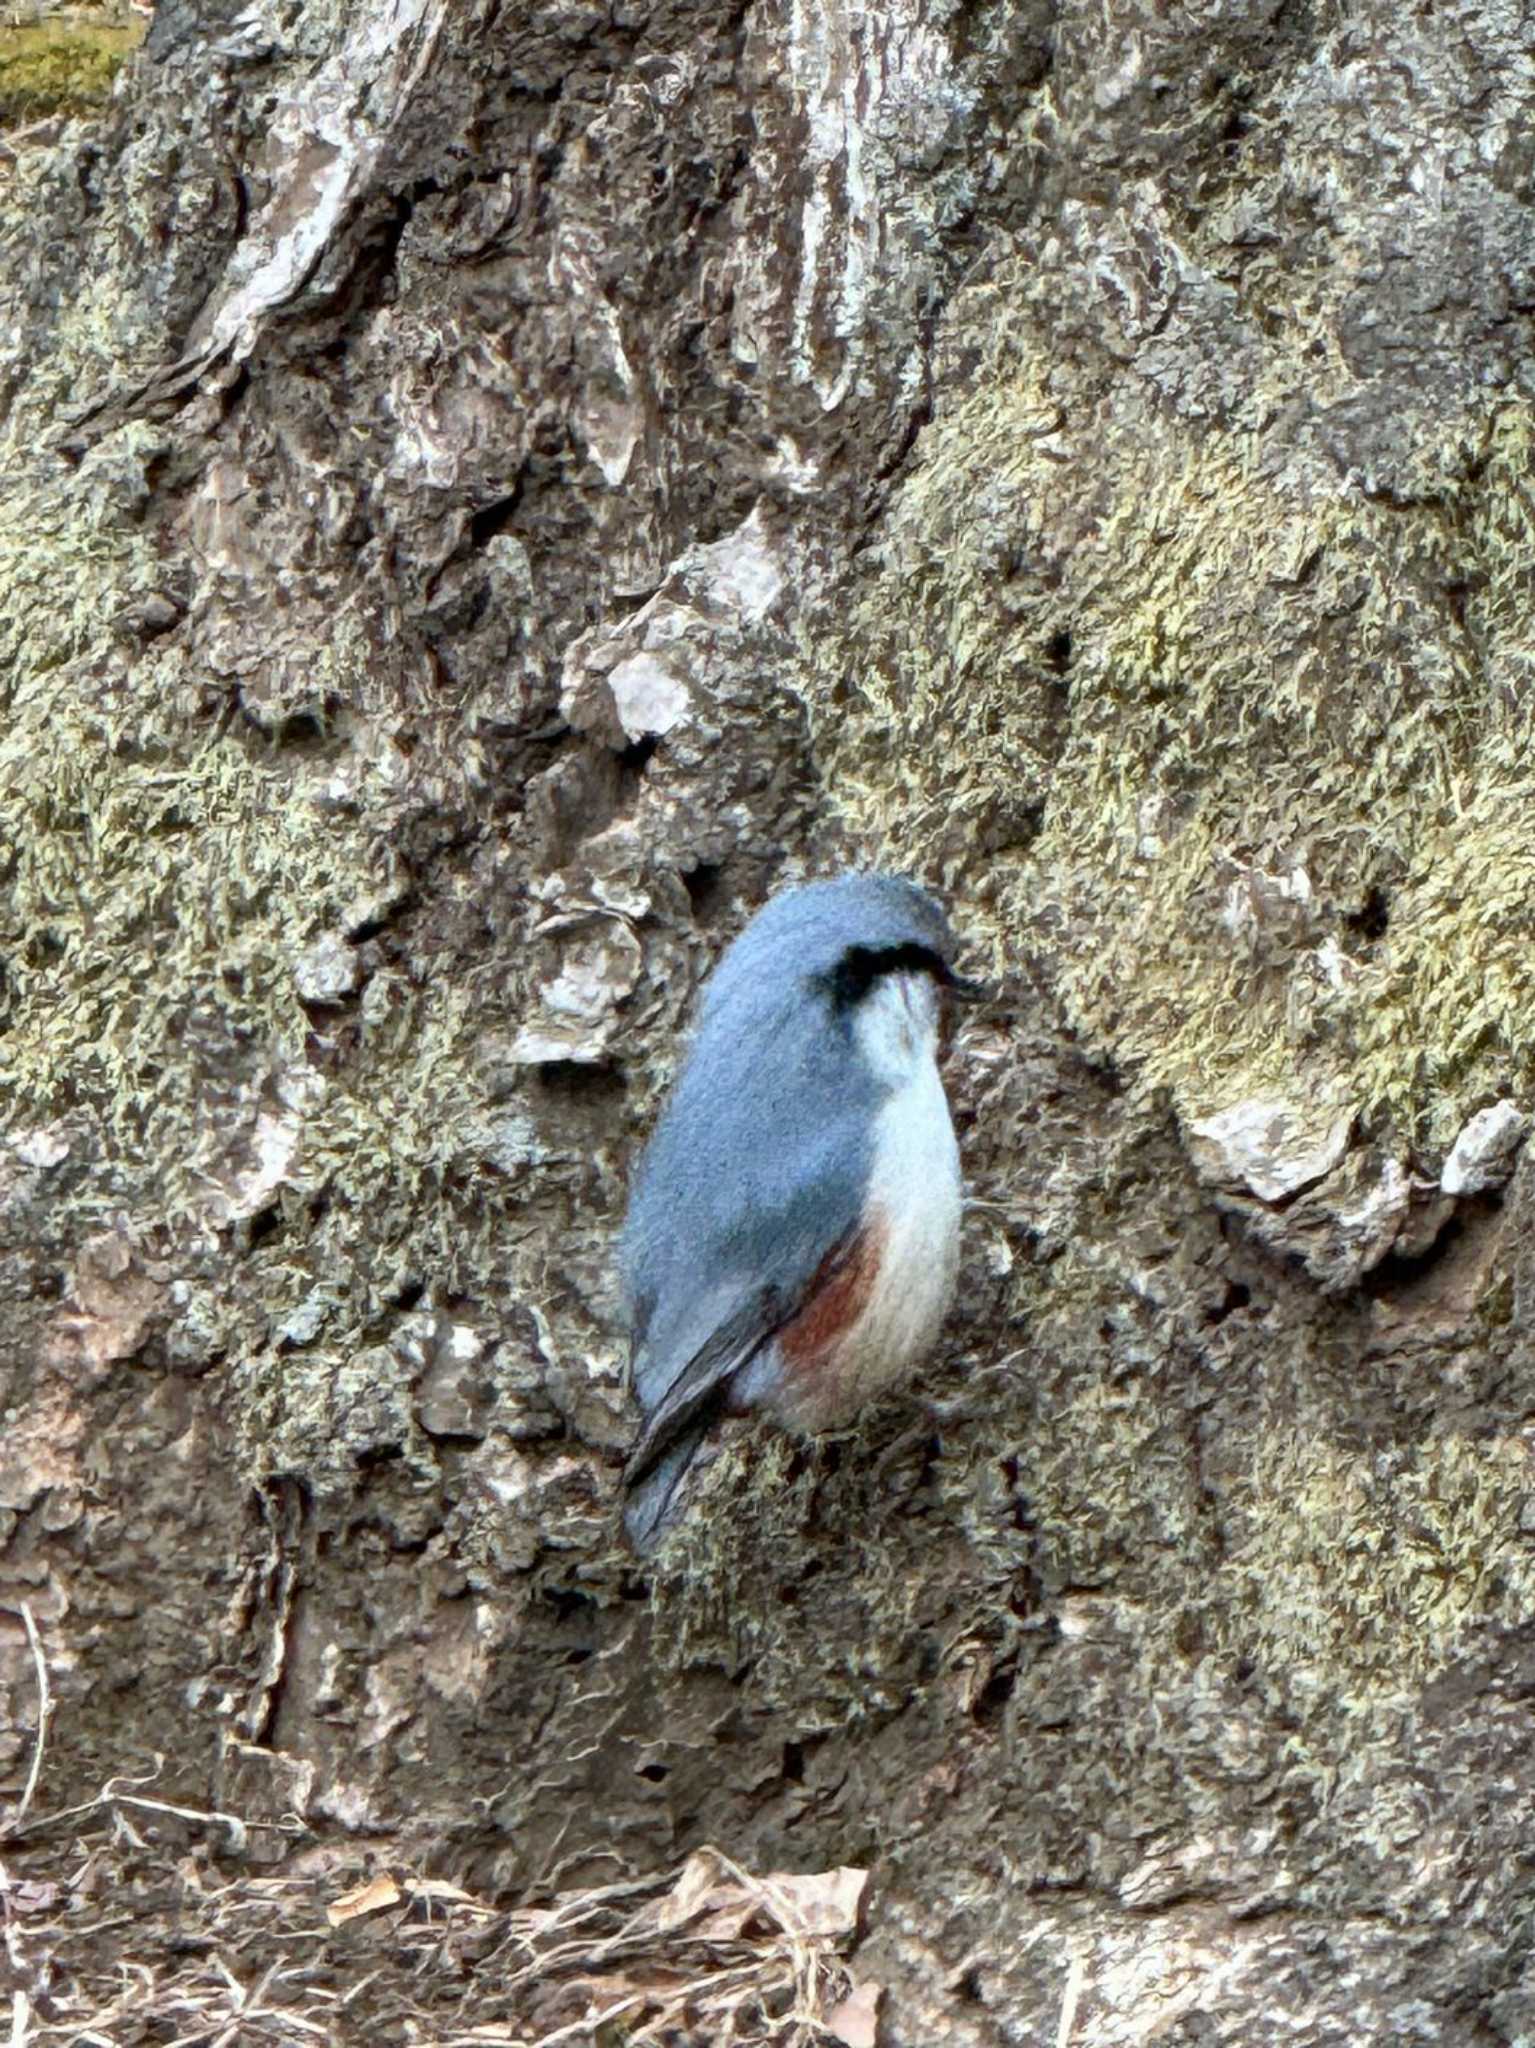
(756,1170)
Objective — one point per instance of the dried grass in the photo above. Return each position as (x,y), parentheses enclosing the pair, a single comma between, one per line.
(122,1926)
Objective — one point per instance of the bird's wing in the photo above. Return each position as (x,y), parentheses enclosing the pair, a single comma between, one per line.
(754,1177)
(676,1428)
(696,1384)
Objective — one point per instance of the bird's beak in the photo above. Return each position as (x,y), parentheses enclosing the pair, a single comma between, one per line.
(969,991)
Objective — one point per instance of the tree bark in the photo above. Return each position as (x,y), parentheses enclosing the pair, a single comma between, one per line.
(492,492)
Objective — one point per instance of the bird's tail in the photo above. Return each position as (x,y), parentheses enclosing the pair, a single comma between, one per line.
(652,1487)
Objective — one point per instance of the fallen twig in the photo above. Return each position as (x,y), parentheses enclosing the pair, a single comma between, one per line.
(44,1714)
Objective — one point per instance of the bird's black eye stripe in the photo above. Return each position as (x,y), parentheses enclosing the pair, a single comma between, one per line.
(861,966)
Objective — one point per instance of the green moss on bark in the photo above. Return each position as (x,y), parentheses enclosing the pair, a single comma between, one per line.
(60,67)
(1246,750)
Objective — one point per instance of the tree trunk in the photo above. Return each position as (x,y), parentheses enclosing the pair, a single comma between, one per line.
(492,492)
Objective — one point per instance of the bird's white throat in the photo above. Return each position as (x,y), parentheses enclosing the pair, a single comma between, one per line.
(896,1025)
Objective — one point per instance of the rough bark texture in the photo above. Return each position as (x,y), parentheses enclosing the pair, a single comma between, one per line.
(492,490)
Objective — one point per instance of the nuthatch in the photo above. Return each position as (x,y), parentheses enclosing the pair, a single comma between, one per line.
(793,1232)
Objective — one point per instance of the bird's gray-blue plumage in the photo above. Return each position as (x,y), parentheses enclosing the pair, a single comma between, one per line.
(759,1166)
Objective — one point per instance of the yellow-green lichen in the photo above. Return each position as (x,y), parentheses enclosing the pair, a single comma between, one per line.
(1340,1577)
(1357,1575)
(60,67)
(165,863)
(1113,699)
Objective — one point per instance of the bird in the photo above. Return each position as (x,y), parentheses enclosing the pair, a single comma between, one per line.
(792,1238)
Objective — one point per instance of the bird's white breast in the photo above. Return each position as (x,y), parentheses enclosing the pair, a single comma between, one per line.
(914,1191)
